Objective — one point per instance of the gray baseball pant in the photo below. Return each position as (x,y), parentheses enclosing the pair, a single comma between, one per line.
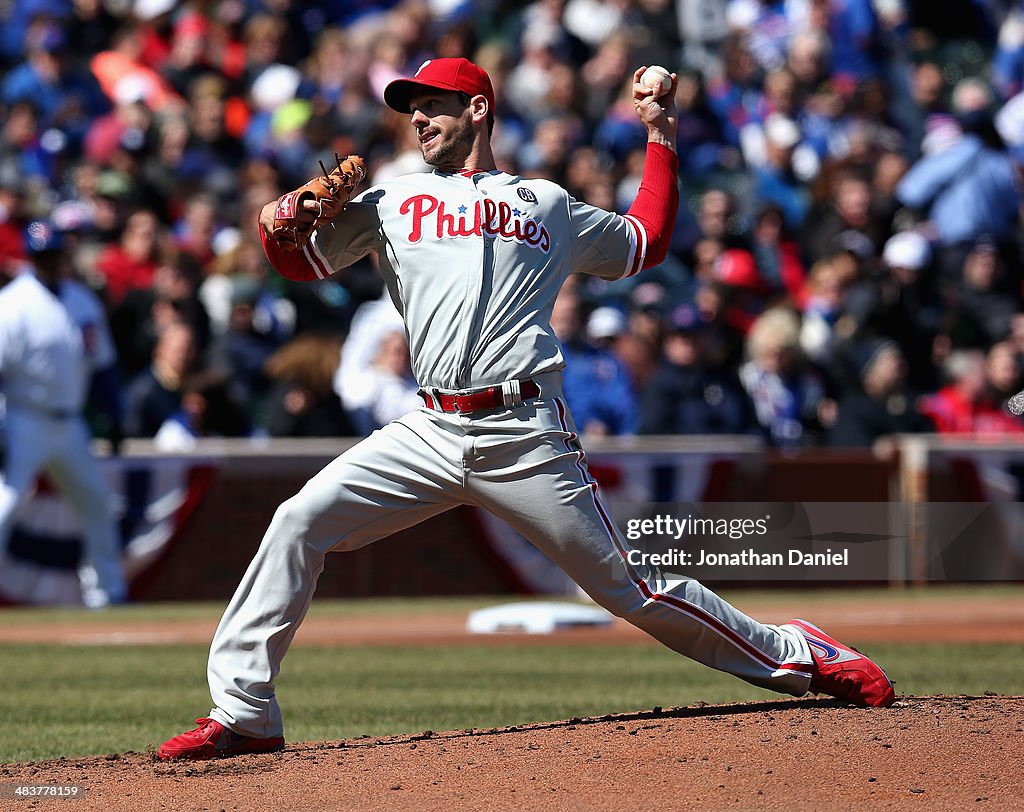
(525,465)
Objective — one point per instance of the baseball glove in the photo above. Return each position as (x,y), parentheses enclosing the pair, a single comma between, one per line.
(294,222)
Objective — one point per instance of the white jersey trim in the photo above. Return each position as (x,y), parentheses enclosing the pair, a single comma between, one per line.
(316,259)
(638,252)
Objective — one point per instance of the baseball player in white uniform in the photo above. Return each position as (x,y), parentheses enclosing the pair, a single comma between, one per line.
(473,258)
(53,338)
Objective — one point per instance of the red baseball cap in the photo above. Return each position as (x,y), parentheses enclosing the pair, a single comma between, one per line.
(441,74)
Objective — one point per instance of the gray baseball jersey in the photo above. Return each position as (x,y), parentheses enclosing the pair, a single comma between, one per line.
(473,263)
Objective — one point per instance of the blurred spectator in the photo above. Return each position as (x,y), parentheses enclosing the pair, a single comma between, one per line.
(530,80)
(207,409)
(12,243)
(194,232)
(596,385)
(745,289)
(241,352)
(852,29)
(788,396)
(154,395)
(638,345)
(847,221)
(1008,58)
(593,21)
(372,368)
(65,98)
(901,303)
(983,306)
(882,404)
(685,396)
(824,308)
(237,259)
(303,402)
(888,171)
(131,263)
(808,133)
(808,58)
(703,27)
(777,254)
(126,127)
(700,142)
(123,72)
(605,74)
(22,157)
(716,219)
(966,405)
(775,181)
(144,313)
(735,96)
(1003,374)
(966,191)
(392,389)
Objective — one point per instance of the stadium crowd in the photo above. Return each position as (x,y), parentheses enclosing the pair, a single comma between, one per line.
(846,263)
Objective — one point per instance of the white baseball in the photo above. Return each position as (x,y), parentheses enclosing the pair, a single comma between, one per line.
(657,79)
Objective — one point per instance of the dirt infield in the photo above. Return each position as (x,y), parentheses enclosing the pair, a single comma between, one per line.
(923,753)
(876,618)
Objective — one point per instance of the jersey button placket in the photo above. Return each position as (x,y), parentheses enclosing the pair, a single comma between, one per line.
(474,271)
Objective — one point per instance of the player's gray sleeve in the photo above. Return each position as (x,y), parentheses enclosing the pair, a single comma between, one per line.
(348,237)
(605,244)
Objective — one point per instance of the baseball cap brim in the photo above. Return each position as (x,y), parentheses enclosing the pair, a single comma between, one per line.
(450,74)
(400,91)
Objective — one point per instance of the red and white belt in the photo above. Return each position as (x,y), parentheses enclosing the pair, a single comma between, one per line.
(503,396)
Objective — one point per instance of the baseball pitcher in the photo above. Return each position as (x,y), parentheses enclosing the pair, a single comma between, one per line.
(473,258)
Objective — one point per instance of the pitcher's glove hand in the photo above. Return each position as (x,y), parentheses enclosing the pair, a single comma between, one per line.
(314,203)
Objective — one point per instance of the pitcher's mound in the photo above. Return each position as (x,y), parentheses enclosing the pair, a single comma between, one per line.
(944,752)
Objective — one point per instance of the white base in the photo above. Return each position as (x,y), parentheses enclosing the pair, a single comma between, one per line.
(540,617)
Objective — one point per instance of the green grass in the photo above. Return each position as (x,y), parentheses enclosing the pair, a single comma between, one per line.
(74,700)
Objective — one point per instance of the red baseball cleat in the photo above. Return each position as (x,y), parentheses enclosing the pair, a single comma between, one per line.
(212,740)
(844,672)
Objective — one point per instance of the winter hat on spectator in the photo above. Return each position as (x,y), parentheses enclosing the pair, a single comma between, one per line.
(783,132)
(275,85)
(54,9)
(147,10)
(648,296)
(684,319)
(226,240)
(459,75)
(49,38)
(73,215)
(738,268)
(605,322)
(908,249)
(1010,121)
(941,132)
(866,355)
(855,242)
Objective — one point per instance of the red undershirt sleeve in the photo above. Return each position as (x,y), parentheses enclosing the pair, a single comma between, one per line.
(657,201)
(290,264)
